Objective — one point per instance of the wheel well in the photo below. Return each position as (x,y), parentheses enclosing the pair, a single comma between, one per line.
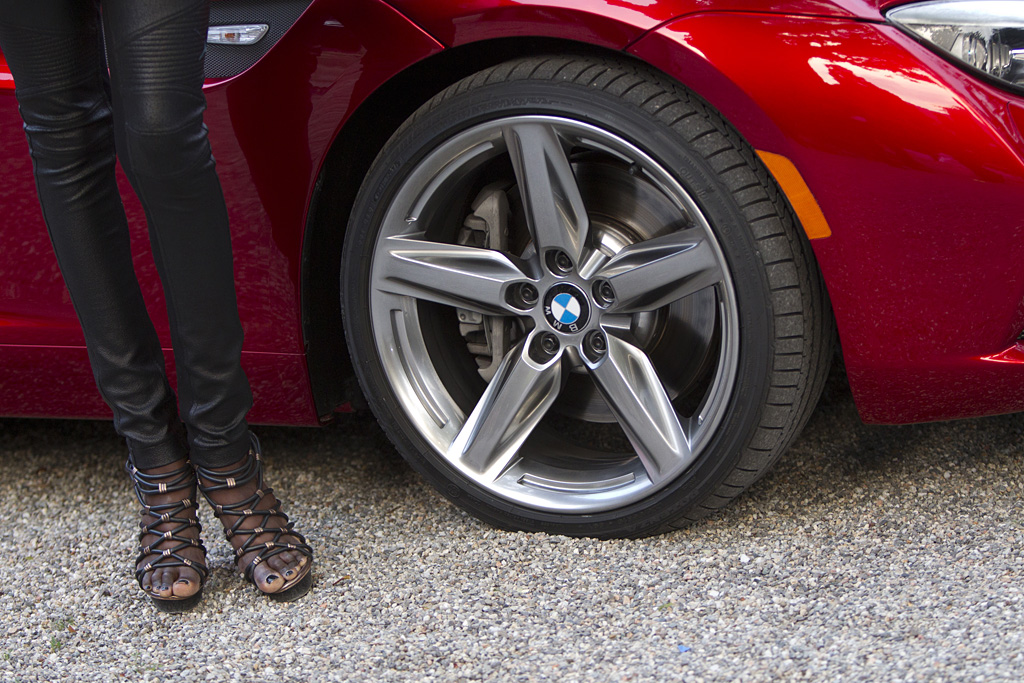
(347,163)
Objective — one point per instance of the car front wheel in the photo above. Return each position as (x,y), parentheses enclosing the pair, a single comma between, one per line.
(578,303)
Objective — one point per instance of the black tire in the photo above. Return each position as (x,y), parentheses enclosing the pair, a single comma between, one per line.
(761,362)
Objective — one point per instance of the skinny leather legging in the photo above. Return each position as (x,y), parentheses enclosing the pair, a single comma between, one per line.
(149,108)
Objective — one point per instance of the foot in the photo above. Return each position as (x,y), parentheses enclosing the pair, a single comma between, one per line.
(172,560)
(267,551)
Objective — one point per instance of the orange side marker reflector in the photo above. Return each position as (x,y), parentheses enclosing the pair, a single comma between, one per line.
(798,194)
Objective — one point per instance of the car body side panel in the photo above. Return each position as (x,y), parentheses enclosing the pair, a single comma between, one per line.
(919,172)
(270,128)
(928,311)
(609,23)
(46,381)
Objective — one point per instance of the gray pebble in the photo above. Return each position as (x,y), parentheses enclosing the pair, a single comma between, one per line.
(870,553)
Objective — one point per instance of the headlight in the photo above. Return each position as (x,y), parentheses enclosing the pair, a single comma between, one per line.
(987,35)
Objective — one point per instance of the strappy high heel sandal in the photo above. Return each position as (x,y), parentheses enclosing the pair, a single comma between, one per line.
(253,531)
(168,527)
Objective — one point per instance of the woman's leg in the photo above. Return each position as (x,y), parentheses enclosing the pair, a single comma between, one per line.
(54,50)
(155,48)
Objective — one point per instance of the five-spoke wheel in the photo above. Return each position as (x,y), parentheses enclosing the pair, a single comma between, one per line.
(546,308)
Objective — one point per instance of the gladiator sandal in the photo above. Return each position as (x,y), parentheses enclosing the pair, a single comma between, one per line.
(250,525)
(165,530)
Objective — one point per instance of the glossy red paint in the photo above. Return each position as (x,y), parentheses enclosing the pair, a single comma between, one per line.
(271,129)
(920,174)
(1017,116)
(48,381)
(608,23)
(6,81)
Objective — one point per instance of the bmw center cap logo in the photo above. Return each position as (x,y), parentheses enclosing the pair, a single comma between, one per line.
(566,308)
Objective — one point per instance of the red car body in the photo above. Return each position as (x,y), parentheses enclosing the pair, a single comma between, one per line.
(917,169)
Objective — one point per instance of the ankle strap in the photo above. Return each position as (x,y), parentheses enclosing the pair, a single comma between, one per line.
(147,484)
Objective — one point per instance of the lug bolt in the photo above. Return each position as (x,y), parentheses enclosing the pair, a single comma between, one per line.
(595,344)
(528,294)
(560,262)
(604,295)
(544,347)
(523,296)
(549,343)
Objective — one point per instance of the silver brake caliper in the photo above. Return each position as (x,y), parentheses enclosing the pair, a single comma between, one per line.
(487,337)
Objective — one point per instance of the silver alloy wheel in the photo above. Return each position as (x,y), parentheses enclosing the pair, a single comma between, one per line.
(587,295)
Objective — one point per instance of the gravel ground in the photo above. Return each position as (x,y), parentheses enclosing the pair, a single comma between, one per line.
(871,553)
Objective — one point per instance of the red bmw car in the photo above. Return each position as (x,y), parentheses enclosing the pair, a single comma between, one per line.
(588,260)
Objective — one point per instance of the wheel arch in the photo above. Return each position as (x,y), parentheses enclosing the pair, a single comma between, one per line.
(370,126)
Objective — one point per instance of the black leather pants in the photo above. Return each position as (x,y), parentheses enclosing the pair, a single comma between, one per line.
(150,110)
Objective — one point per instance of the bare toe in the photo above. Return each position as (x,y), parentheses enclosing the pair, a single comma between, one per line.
(186,584)
(281,562)
(295,559)
(162,581)
(291,564)
(267,579)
